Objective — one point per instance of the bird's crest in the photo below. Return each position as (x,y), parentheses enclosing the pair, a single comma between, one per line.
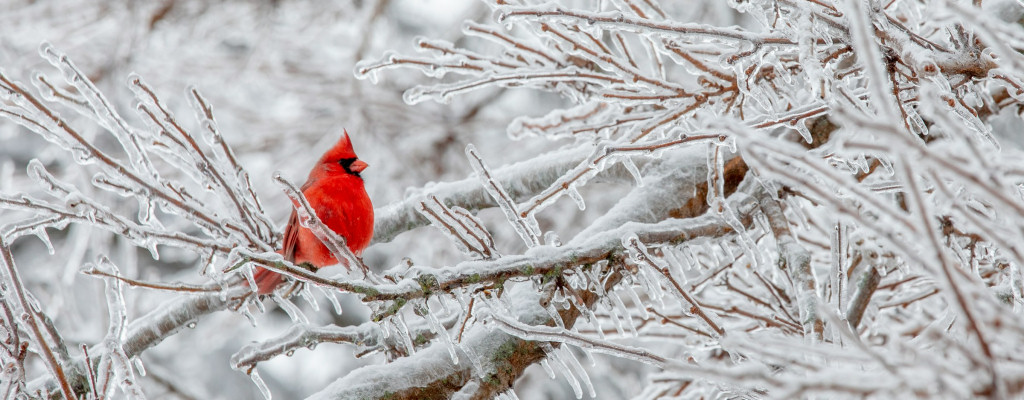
(341,150)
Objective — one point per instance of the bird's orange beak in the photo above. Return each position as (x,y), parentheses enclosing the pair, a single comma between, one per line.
(358,166)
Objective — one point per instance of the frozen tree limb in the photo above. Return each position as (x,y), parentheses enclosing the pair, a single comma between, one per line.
(866,286)
(30,315)
(428,374)
(797,259)
(366,334)
(519,179)
(923,176)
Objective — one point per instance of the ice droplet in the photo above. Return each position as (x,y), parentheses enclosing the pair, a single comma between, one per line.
(137,362)
(551,239)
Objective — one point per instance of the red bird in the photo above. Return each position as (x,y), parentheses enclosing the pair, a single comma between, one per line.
(335,191)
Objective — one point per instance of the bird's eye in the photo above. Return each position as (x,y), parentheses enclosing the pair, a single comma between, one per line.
(346,163)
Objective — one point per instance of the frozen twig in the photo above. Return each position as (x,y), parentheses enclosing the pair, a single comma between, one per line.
(305,336)
(433,374)
(335,243)
(620,21)
(528,232)
(797,260)
(30,316)
(866,286)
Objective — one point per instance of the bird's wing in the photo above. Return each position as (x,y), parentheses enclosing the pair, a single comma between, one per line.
(291,237)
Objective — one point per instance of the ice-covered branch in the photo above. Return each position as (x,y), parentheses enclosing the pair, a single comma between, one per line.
(442,377)
(31,315)
(617,20)
(809,198)
(366,335)
(520,179)
(335,243)
(797,259)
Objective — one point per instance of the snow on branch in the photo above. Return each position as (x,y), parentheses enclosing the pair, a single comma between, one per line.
(798,199)
(603,254)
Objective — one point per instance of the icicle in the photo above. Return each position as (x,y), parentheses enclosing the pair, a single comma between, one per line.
(715,176)
(291,309)
(553,354)
(553,313)
(404,333)
(633,170)
(580,371)
(40,233)
(762,225)
(593,275)
(547,368)
(640,305)
(248,315)
(836,273)
(307,294)
(439,329)
(575,195)
(151,244)
(801,128)
(621,309)
(461,297)
(653,286)
(442,301)
(385,331)
(588,354)
(616,318)
(248,272)
(331,297)
(258,381)
(677,266)
(588,315)
(474,360)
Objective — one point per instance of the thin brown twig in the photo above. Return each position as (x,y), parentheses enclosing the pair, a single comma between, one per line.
(178,287)
(30,317)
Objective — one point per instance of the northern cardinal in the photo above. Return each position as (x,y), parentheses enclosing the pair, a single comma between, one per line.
(335,191)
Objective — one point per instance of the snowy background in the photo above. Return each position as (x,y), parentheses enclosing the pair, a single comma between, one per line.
(708,199)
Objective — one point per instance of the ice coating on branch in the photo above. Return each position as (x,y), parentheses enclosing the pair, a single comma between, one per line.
(464,229)
(309,219)
(114,362)
(104,113)
(757,74)
(527,232)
